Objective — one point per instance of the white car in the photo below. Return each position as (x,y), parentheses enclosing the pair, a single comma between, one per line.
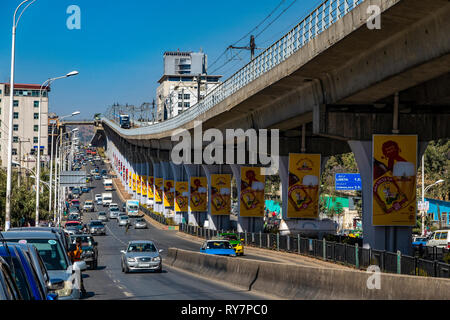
(113,205)
(88,206)
(440,239)
(123,220)
(113,214)
(98,196)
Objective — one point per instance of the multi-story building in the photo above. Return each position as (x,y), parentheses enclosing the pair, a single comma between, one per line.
(185,79)
(25,123)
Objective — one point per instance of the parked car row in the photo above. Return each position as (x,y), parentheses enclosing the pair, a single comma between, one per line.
(35,265)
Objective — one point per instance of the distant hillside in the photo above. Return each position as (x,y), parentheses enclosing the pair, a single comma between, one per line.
(85,133)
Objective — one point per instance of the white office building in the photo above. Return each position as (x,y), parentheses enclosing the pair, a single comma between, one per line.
(25,123)
(185,78)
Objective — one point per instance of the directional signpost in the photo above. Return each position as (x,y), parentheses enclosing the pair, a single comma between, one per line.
(347,181)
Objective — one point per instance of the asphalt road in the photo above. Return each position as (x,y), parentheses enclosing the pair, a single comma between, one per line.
(108,281)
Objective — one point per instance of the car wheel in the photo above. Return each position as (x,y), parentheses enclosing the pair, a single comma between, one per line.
(159,270)
(123,269)
(95,265)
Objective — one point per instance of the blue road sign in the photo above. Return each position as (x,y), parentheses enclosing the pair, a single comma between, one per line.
(347,181)
(35,147)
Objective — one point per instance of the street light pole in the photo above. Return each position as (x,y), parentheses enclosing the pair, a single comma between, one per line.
(38,164)
(11,110)
(51,164)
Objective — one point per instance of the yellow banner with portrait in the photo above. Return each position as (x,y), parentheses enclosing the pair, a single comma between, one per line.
(144,185)
(169,193)
(199,192)
(220,194)
(252,192)
(181,196)
(394,180)
(303,191)
(159,187)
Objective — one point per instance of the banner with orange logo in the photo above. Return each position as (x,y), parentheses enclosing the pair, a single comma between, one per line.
(169,193)
(394,180)
(134,182)
(138,184)
(181,196)
(303,191)
(252,192)
(130,180)
(159,187)
(144,185)
(150,190)
(220,194)
(199,192)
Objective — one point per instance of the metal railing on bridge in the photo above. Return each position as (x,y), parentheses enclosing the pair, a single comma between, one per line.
(346,254)
(319,20)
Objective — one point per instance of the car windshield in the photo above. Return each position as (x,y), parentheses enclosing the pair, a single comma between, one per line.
(102,213)
(88,202)
(96,224)
(141,247)
(139,220)
(114,209)
(72,224)
(218,245)
(86,241)
(133,207)
(123,217)
(50,252)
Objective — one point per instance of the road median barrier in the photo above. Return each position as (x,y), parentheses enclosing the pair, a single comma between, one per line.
(304,282)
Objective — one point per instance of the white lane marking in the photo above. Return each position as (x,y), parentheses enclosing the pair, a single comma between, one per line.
(112,233)
(128,294)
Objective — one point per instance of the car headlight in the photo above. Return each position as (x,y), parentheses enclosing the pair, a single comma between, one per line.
(131,260)
(157,258)
(66,291)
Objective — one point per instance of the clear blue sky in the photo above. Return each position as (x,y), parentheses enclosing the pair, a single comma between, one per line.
(119,49)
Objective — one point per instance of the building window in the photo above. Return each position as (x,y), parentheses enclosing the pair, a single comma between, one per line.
(180,105)
(36,104)
(15,139)
(187,104)
(15,115)
(14,152)
(0,91)
(35,139)
(15,127)
(36,128)
(36,116)
(187,96)
(16,103)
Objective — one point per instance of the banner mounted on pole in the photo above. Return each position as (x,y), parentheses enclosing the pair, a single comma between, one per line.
(394,180)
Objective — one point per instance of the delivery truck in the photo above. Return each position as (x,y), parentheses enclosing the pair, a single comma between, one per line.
(132,208)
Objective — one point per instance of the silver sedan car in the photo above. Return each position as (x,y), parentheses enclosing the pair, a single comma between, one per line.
(101,216)
(141,255)
(140,223)
(123,220)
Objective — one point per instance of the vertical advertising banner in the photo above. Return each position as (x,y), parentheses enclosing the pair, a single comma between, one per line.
(303,191)
(144,185)
(199,192)
(159,187)
(394,180)
(134,182)
(138,184)
(181,196)
(169,194)
(252,192)
(130,180)
(150,190)
(220,194)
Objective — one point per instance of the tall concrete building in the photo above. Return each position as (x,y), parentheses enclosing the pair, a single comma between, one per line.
(185,78)
(25,123)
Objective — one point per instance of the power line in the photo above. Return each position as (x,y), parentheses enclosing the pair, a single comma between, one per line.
(282,12)
(246,35)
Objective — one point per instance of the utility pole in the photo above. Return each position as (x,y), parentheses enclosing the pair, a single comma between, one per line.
(199,83)
(182,100)
(154,111)
(252,47)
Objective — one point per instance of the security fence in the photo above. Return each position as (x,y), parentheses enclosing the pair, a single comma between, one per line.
(342,253)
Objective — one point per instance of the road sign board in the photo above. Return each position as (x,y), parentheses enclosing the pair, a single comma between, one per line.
(423,205)
(347,181)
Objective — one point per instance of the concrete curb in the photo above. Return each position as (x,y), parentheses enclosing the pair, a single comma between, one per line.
(304,282)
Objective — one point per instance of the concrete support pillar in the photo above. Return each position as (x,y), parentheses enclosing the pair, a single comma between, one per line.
(216,222)
(244,224)
(194,218)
